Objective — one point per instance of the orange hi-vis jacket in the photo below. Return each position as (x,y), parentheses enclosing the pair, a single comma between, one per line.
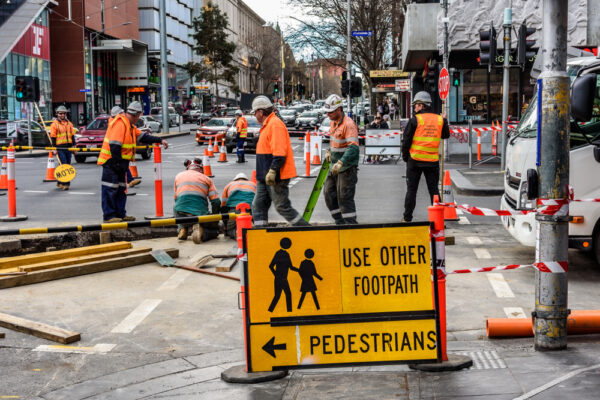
(236,192)
(241,127)
(193,190)
(274,150)
(62,132)
(426,140)
(120,133)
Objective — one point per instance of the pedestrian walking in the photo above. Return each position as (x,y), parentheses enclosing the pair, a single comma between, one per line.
(62,132)
(239,190)
(241,129)
(343,154)
(194,193)
(392,110)
(275,166)
(420,150)
(118,149)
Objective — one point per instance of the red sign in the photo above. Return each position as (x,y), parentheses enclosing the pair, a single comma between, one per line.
(444,84)
(35,42)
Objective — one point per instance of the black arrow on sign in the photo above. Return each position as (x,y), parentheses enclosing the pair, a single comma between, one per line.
(270,347)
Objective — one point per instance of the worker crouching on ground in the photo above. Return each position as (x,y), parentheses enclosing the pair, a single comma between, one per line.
(420,150)
(61,132)
(343,153)
(193,193)
(239,190)
(117,151)
(275,166)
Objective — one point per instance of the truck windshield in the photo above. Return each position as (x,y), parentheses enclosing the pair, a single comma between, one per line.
(528,125)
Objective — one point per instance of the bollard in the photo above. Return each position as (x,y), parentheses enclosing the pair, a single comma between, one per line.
(478,145)
(494,143)
(12,200)
(158,193)
(243,222)
(3,175)
(470,144)
(436,215)
(307,155)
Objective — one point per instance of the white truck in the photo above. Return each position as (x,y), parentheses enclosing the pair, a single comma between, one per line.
(520,185)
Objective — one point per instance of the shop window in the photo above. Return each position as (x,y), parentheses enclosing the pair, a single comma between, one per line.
(10,85)
(3,66)
(3,89)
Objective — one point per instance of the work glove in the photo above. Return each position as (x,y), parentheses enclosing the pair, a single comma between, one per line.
(328,156)
(270,178)
(336,167)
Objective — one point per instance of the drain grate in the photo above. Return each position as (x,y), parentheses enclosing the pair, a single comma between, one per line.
(483,359)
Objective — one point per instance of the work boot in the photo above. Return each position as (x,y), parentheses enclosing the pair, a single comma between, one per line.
(135,182)
(128,218)
(60,185)
(65,187)
(182,234)
(113,220)
(197,232)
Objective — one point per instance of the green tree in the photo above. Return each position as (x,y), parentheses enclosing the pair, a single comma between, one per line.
(211,44)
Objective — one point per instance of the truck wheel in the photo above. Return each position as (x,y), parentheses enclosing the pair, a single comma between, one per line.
(80,159)
(147,153)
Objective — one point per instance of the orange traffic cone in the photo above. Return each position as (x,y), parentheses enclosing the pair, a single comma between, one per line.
(211,154)
(206,152)
(50,169)
(253,178)
(216,148)
(449,212)
(316,160)
(133,170)
(206,167)
(223,154)
(4,175)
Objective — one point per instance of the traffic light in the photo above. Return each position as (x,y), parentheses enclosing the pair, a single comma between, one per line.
(276,88)
(431,78)
(345,84)
(487,47)
(27,89)
(206,103)
(192,91)
(525,47)
(356,87)
(456,78)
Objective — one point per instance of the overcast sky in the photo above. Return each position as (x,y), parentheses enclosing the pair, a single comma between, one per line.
(271,11)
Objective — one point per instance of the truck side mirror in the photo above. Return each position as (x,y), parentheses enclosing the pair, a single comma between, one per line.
(532,184)
(582,97)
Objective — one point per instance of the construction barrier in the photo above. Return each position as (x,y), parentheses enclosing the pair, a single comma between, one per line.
(50,167)
(448,198)
(579,322)
(12,197)
(307,155)
(436,215)
(243,221)
(3,175)
(51,148)
(158,194)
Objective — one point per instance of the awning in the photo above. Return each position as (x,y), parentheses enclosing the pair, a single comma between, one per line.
(132,60)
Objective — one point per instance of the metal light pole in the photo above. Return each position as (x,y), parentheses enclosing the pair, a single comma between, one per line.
(164,65)
(550,315)
(349,55)
(446,59)
(505,82)
(312,61)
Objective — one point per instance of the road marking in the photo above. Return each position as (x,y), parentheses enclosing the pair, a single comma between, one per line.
(482,253)
(89,193)
(474,240)
(100,348)
(136,316)
(143,194)
(499,285)
(514,312)
(295,147)
(35,191)
(555,382)
(463,221)
(299,178)
(175,280)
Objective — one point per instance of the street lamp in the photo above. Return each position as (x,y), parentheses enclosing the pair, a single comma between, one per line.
(92,36)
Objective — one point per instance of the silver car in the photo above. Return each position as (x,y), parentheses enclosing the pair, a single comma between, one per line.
(151,123)
(156,112)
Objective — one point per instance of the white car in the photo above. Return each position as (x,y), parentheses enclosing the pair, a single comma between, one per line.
(151,123)
(323,130)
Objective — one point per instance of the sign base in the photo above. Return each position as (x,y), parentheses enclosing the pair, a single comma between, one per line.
(455,362)
(238,374)
(7,218)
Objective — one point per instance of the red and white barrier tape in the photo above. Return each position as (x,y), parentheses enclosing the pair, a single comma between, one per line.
(548,266)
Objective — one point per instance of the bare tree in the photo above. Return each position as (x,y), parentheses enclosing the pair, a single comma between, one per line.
(268,60)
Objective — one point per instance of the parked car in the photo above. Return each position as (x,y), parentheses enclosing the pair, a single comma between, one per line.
(309,119)
(191,116)
(92,136)
(156,112)
(323,130)
(16,131)
(151,123)
(204,117)
(251,140)
(289,117)
(215,129)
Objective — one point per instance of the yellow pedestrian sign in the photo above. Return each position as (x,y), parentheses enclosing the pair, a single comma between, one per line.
(323,296)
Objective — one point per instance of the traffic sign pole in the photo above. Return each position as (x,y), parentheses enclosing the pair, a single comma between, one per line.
(443,89)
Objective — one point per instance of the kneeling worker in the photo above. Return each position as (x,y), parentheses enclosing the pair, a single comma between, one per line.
(193,190)
(240,190)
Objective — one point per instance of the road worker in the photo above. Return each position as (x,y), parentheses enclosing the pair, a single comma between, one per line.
(116,110)
(61,132)
(241,129)
(420,150)
(275,166)
(239,190)
(117,151)
(343,154)
(194,191)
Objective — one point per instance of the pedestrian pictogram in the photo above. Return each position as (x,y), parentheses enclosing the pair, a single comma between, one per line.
(322,296)
(444,84)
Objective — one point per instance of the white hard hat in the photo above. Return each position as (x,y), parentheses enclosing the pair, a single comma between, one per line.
(116,110)
(135,108)
(241,175)
(61,109)
(332,103)
(261,103)
(422,97)
(239,112)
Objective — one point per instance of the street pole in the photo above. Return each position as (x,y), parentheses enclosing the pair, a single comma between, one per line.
(312,61)
(446,56)
(92,75)
(505,82)
(349,56)
(550,315)
(164,76)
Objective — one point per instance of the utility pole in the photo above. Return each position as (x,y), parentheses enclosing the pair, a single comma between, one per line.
(349,57)
(164,65)
(446,58)
(312,61)
(505,82)
(550,315)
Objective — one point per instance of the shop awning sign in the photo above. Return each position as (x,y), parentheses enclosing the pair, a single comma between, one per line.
(324,296)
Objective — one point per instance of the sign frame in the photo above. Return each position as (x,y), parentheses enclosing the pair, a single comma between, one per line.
(340,318)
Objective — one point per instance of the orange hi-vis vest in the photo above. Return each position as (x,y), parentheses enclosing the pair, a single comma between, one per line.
(241,126)
(274,141)
(122,133)
(241,188)
(194,183)
(62,131)
(426,141)
(342,135)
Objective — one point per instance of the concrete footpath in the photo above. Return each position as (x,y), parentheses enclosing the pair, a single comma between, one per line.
(483,180)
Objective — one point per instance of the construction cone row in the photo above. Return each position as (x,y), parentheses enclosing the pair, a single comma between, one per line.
(449,212)
(4,175)
(206,167)
(50,169)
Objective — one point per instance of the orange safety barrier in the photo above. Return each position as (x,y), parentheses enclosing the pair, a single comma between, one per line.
(449,212)
(307,155)
(50,169)
(580,322)
(206,167)
(3,175)
(243,222)
(158,194)
(478,145)
(12,186)
(436,215)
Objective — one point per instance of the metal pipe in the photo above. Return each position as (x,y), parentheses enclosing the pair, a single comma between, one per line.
(349,55)
(446,56)
(91,44)
(551,290)
(505,82)
(164,65)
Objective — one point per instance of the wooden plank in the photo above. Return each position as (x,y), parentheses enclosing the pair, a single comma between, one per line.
(84,259)
(35,258)
(38,329)
(81,269)
(226,265)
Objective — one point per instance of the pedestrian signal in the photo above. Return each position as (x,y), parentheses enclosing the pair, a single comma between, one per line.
(27,89)
(456,78)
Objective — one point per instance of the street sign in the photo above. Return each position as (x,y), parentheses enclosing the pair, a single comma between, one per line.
(362,33)
(322,296)
(402,85)
(444,84)
(84,90)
